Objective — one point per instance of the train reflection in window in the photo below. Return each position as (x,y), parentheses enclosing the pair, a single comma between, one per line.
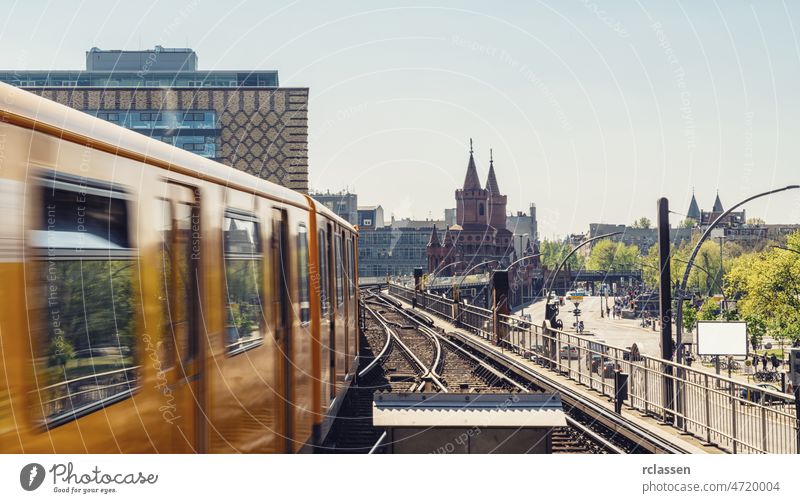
(302,276)
(243,277)
(86,353)
(339,272)
(322,247)
(164,227)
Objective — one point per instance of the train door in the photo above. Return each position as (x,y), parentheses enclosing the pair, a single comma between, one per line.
(346,310)
(331,342)
(183,407)
(327,360)
(352,305)
(340,336)
(281,315)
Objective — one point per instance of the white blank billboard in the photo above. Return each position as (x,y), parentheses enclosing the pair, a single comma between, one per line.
(722,338)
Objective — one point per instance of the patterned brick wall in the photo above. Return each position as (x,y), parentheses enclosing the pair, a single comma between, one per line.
(263,132)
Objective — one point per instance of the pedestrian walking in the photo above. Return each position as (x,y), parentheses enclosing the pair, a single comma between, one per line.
(755,362)
(608,312)
(774,362)
(764,362)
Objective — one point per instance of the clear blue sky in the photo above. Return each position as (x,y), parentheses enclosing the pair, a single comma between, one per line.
(594,108)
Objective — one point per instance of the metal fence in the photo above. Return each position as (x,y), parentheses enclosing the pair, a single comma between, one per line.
(737,417)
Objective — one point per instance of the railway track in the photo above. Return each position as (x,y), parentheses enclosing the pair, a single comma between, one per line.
(619,433)
(402,352)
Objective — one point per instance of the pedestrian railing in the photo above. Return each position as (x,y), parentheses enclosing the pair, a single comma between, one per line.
(738,417)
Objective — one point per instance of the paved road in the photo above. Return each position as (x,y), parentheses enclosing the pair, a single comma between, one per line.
(616,332)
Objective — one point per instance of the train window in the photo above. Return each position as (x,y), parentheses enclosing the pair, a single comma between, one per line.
(165,288)
(339,271)
(243,278)
(322,246)
(87,352)
(302,273)
(351,278)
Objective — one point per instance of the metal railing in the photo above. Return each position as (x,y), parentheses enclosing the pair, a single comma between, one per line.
(736,416)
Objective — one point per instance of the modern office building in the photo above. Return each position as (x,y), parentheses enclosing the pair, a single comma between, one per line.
(394,249)
(344,203)
(239,118)
(370,217)
(524,227)
(450,217)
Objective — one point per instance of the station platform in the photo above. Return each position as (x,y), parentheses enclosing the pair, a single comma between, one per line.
(686,442)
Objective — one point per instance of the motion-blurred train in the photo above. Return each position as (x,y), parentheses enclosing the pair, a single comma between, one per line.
(152,300)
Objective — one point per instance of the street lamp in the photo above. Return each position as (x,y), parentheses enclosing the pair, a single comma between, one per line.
(521,251)
(786,248)
(464,275)
(690,263)
(564,261)
(724,298)
(438,271)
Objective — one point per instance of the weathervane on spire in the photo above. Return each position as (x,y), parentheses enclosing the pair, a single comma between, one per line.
(470,146)
(491,159)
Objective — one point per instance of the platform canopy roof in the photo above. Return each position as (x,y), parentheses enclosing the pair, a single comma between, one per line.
(488,410)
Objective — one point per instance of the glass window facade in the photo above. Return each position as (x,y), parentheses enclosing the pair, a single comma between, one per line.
(139,79)
(192,130)
(392,251)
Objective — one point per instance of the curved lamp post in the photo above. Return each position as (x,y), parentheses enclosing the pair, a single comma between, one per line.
(682,287)
(520,260)
(786,248)
(464,275)
(435,273)
(716,280)
(581,245)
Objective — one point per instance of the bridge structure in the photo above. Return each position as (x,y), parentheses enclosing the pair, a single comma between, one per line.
(568,279)
(713,412)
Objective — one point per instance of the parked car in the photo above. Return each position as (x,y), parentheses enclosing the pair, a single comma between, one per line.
(770,393)
(596,348)
(610,367)
(594,362)
(537,355)
(569,353)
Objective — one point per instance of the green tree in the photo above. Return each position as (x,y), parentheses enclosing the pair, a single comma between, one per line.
(642,223)
(60,353)
(689,316)
(767,286)
(606,255)
(709,310)
(756,328)
(553,252)
(755,221)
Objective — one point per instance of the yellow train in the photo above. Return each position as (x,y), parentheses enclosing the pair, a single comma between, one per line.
(152,300)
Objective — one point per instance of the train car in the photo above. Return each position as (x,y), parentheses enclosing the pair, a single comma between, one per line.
(152,300)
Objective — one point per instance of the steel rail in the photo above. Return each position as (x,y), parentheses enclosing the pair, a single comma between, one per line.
(384,351)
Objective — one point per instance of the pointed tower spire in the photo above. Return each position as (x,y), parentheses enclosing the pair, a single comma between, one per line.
(491,180)
(434,240)
(694,209)
(448,238)
(717,204)
(471,181)
(529,248)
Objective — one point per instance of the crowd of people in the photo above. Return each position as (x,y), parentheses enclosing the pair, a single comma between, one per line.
(625,300)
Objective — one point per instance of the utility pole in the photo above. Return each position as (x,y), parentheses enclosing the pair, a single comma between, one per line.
(665,297)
